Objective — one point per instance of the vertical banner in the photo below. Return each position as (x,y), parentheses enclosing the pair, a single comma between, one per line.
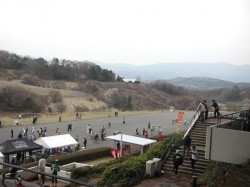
(180,116)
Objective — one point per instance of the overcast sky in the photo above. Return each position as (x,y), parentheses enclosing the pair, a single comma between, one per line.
(128,31)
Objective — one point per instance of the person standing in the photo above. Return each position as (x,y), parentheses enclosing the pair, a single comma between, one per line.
(20,135)
(143,132)
(216,108)
(186,144)
(12,133)
(55,168)
(160,136)
(123,121)
(206,109)
(146,134)
(201,110)
(193,157)
(41,168)
(149,125)
(160,129)
(177,161)
(85,143)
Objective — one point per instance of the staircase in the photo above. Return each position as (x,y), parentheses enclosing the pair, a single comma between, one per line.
(198,137)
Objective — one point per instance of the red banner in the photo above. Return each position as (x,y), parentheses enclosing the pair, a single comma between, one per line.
(180,116)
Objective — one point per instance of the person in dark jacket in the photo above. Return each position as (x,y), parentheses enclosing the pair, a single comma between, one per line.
(216,108)
(177,160)
(186,144)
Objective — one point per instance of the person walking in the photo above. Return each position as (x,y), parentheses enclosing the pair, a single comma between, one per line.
(12,133)
(41,168)
(177,161)
(216,108)
(193,157)
(186,145)
(55,168)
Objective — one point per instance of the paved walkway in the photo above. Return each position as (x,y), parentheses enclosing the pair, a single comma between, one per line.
(168,180)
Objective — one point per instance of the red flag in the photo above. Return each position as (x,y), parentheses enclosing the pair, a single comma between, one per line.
(180,116)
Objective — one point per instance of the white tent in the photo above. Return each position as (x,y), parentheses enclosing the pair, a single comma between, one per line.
(123,138)
(50,142)
(1,160)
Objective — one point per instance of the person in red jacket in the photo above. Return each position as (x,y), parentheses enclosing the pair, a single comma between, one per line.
(160,136)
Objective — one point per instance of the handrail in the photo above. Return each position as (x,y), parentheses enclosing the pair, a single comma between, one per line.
(240,116)
(166,151)
(46,174)
(192,122)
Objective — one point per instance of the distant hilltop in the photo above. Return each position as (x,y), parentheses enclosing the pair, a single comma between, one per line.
(165,71)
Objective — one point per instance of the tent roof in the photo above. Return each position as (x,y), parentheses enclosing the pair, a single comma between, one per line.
(132,139)
(18,145)
(1,155)
(56,141)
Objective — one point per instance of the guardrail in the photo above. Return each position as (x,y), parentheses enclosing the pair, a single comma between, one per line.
(236,116)
(191,123)
(46,174)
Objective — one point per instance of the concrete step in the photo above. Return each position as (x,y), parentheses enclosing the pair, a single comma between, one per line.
(185,170)
(198,131)
(197,138)
(200,163)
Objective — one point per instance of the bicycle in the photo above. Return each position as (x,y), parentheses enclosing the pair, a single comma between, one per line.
(18,180)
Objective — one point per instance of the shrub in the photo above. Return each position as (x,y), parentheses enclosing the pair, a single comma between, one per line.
(131,171)
(55,96)
(60,107)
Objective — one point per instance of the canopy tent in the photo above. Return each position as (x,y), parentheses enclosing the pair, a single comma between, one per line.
(18,145)
(123,138)
(1,160)
(56,141)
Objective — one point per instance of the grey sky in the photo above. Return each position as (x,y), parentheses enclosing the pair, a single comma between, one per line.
(130,31)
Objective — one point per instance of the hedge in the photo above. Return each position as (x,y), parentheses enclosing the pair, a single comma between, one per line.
(132,171)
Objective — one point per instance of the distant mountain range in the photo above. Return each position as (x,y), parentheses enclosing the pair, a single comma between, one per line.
(204,83)
(163,71)
(190,75)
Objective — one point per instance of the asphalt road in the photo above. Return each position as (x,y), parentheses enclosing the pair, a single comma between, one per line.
(164,119)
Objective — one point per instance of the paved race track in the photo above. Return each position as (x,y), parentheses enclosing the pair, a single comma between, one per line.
(164,119)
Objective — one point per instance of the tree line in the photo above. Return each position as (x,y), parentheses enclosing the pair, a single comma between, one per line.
(56,69)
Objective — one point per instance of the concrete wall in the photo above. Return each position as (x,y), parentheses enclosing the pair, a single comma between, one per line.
(227,145)
(63,171)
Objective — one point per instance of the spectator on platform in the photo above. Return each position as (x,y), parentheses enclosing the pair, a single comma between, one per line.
(216,108)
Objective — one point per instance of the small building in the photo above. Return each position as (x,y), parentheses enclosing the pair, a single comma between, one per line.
(171,109)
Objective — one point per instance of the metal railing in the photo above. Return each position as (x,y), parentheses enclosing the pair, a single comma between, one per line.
(167,151)
(46,174)
(236,116)
(191,123)
(169,148)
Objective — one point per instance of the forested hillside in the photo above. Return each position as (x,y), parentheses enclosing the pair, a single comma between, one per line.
(35,85)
